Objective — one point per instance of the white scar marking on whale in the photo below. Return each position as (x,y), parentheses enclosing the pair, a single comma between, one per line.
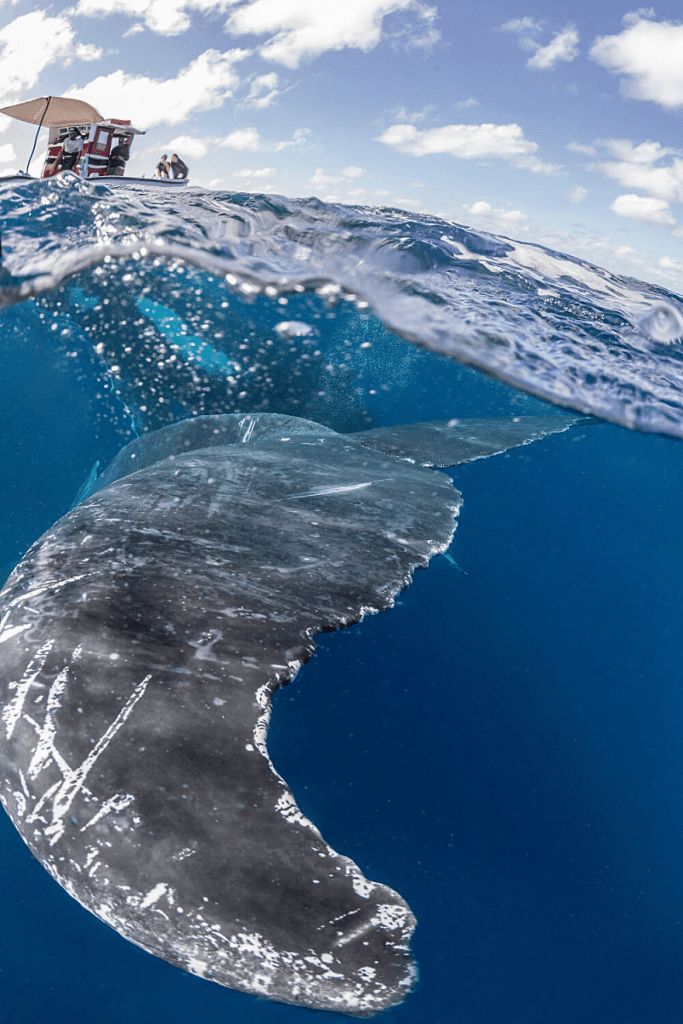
(153,895)
(45,748)
(204,651)
(342,489)
(7,632)
(118,802)
(13,711)
(74,778)
(388,917)
(249,430)
(49,585)
(309,563)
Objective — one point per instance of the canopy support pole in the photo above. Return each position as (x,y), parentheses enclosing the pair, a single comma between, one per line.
(36,138)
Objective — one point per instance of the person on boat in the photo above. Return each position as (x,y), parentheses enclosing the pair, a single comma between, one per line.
(71,150)
(163,167)
(178,166)
(117,158)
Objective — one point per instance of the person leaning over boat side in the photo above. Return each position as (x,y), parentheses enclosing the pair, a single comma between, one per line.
(117,158)
(178,166)
(163,167)
(71,150)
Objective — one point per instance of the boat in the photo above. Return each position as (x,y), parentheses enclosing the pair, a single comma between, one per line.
(100,136)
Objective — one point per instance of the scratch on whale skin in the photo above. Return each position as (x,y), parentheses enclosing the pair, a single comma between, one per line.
(64,793)
(12,713)
(7,632)
(323,491)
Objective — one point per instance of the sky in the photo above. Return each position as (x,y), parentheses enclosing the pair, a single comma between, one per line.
(543,123)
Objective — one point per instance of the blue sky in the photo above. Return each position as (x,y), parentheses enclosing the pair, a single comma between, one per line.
(548,125)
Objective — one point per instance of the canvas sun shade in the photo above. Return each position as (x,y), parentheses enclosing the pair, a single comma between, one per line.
(53,112)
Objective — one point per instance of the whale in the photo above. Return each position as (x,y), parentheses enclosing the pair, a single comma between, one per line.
(142,638)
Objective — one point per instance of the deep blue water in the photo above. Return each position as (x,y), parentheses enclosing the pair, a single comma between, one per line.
(504,747)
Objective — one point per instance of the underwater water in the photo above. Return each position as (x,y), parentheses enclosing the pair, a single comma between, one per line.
(504,746)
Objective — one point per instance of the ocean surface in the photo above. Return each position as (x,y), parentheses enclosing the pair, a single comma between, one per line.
(505,746)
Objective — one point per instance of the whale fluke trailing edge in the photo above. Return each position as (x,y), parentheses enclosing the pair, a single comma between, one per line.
(141,640)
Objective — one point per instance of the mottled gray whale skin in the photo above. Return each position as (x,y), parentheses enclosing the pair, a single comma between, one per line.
(141,639)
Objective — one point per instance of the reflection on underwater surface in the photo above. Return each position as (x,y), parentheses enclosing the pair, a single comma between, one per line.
(503,748)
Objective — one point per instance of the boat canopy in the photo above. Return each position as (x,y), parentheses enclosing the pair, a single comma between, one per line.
(63,112)
(104,143)
(53,112)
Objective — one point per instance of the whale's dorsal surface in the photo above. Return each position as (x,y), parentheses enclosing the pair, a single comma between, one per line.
(141,639)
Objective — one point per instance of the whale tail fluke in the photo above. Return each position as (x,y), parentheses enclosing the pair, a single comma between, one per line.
(443,443)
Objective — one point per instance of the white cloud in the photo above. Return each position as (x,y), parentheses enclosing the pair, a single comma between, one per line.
(634,16)
(668,264)
(468,142)
(348,174)
(259,172)
(412,116)
(299,138)
(87,51)
(246,139)
(134,29)
(202,85)
(645,153)
(639,166)
(465,104)
(643,208)
(303,29)
(654,169)
(521,25)
(501,219)
(563,46)
(7,154)
(577,194)
(249,140)
(299,29)
(254,179)
(636,168)
(661,182)
(29,44)
(187,145)
(166,17)
(650,55)
(320,178)
(422,34)
(262,91)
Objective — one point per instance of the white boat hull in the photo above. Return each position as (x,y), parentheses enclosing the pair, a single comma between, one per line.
(103,179)
(111,179)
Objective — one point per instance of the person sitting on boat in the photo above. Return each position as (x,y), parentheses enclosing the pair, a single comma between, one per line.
(163,167)
(178,166)
(117,158)
(71,150)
